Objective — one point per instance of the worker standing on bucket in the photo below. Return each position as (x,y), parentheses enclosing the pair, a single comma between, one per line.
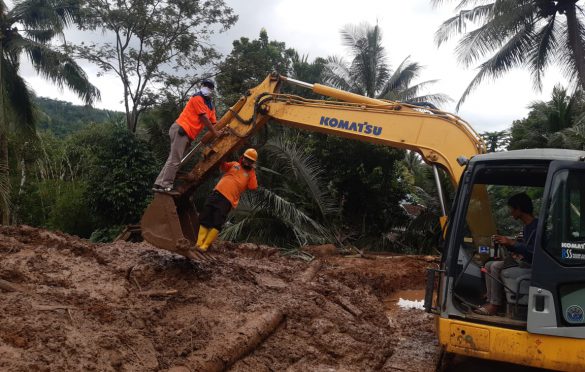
(238,177)
(198,112)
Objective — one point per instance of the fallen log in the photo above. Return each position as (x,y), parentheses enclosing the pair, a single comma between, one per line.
(311,272)
(224,351)
(11,287)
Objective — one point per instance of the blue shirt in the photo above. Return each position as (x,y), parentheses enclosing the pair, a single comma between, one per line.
(526,246)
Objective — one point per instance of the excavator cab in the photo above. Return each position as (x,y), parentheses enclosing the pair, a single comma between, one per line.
(543,321)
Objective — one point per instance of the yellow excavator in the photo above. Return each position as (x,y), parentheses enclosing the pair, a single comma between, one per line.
(544,321)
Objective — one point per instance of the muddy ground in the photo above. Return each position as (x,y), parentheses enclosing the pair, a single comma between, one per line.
(68,304)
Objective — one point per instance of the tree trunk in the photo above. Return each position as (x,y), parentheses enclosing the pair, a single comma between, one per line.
(576,42)
(4,169)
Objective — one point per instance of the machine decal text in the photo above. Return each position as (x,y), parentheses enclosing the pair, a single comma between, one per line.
(364,127)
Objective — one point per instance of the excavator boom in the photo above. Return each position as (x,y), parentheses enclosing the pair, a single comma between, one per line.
(440,138)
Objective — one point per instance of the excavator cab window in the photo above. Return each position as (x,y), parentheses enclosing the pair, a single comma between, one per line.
(487,214)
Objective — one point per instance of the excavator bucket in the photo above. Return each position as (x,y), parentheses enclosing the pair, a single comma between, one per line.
(171,224)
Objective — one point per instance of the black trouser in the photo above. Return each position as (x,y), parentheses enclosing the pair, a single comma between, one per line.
(215,211)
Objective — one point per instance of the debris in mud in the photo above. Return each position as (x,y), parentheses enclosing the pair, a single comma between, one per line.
(129,306)
(408,304)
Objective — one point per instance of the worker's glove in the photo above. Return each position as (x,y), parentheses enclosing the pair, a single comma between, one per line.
(182,132)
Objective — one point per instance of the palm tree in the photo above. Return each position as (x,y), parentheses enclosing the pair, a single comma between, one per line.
(550,124)
(518,33)
(496,140)
(369,73)
(41,21)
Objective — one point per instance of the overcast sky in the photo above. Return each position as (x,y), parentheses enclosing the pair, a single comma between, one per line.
(312,27)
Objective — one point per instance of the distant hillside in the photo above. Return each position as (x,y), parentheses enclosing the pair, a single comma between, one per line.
(63,118)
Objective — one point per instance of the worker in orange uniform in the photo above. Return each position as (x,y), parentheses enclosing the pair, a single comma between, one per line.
(198,112)
(238,177)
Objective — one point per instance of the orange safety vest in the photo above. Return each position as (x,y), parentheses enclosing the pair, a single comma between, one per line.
(235,181)
(189,119)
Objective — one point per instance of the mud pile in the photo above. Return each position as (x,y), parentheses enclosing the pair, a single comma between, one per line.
(67,304)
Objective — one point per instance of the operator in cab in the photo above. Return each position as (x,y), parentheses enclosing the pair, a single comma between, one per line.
(238,177)
(521,208)
(198,113)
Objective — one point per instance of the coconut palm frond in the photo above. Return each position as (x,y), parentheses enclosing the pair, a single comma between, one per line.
(545,45)
(283,209)
(496,34)
(410,93)
(56,14)
(569,138)
(58,68)
(305,169)
(336,73)
(271,219)
(401,78)
(566,58)
(351,36)
(580,119)
(233,231)
(437,99)
(41,36)
(457,24)
(369,63)
(510,55)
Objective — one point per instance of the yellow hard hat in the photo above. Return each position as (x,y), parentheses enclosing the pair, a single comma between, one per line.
(251,154)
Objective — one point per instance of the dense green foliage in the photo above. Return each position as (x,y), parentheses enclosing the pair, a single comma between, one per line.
(98,178)
(249,62)
(119,171)
(29,29)
(63,118)
(361,179)
(88,172)
(559,122)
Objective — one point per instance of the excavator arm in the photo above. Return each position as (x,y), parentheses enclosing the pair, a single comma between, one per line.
(442,139)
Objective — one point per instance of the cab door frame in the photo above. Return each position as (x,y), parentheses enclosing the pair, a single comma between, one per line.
(545,314)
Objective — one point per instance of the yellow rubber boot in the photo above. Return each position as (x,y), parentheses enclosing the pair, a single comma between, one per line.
(202,234)
(211,235)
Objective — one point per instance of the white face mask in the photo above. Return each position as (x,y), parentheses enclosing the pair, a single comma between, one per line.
(206,91)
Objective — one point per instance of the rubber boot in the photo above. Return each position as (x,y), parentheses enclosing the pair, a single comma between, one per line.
(211,235)
(202,234)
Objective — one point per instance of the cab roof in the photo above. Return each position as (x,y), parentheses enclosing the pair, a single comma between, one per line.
(531,154)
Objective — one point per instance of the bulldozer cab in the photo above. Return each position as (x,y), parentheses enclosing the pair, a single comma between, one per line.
(548,295)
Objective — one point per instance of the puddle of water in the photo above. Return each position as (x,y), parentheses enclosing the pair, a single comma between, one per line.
(391,303)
